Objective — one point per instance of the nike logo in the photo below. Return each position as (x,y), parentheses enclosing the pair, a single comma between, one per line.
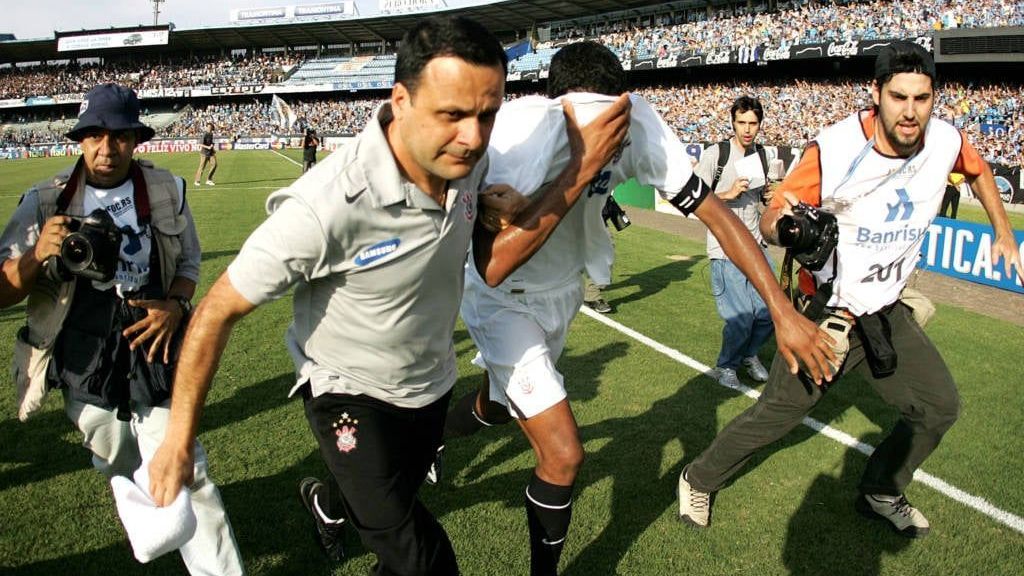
(351,197)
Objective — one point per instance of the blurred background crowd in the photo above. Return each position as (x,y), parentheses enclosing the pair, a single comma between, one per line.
(796,109)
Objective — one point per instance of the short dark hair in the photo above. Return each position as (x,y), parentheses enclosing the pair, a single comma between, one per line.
(437,37)
(746,104)
(585,67)
(903,57)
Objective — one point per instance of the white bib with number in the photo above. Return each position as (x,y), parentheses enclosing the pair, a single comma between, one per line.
(884,206)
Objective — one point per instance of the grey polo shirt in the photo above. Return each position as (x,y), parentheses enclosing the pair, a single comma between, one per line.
(746,206)
(377,267)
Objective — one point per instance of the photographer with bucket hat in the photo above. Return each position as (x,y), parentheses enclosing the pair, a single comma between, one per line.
(107,255)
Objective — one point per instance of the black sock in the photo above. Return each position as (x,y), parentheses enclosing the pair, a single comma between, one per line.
(548,511)
(463,420)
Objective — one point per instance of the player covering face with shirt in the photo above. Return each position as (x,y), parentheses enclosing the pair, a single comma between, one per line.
(374,243)
(520,325)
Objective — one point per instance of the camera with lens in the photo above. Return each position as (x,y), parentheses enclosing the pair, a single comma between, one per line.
(614,213)
(811,234)
(91,249)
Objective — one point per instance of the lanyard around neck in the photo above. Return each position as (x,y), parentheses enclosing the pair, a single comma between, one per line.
(860,158)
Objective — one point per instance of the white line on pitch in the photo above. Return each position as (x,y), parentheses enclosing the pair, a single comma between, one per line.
(223,187)
(227,187)
(978,503)
(286,158)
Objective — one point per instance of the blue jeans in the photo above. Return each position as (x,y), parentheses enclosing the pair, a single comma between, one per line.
(747,320)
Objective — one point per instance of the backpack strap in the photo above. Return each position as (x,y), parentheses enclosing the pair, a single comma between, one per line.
(763,155)
(723,159)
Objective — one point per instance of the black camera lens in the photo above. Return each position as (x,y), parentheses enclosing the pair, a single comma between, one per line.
(92,249)
(76,252)
(810,235)
(789,231)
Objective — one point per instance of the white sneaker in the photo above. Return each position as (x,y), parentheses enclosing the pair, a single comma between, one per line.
(694,505)
(727,377)
(755,369)
(210,183)
(600,305)
(904,518)
(196,182)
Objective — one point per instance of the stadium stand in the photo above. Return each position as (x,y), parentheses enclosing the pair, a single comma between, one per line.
(75,78)
(993,114)
(336,92)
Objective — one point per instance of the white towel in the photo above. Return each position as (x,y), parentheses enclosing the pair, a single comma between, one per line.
(152,531)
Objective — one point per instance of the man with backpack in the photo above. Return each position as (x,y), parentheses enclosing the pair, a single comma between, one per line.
(748,324)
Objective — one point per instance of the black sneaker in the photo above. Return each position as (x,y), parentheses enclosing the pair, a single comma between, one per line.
(328,534)
(599,305)
(434,472)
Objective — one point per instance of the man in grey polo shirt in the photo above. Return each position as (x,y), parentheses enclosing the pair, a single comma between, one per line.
(374,240)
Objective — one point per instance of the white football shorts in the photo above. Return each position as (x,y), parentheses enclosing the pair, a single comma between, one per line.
(520,337)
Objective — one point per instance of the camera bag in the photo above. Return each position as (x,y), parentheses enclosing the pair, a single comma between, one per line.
(876,336)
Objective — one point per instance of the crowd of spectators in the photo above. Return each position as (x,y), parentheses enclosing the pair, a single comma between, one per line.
(699,112)
(334,115)
(794,22)
(992,115)
(25,126)
(78,78)
(238,118)
(795,110)
(658,34)
(15,137)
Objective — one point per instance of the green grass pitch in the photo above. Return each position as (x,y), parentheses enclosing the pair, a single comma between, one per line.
(642,415)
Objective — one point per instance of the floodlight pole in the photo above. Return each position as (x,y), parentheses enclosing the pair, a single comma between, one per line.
(156,11)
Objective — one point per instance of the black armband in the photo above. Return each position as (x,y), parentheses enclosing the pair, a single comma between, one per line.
(691,196)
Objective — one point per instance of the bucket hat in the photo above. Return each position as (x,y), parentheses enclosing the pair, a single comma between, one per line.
(111,107)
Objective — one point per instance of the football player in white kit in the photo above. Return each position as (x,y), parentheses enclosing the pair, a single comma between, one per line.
(520,325)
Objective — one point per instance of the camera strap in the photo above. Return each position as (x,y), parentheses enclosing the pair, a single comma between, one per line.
(786,277)
(141,194)
(70,187)
(139,191)
(793,293)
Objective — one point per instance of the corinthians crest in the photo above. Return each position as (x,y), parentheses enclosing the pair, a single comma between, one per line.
(345,430)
